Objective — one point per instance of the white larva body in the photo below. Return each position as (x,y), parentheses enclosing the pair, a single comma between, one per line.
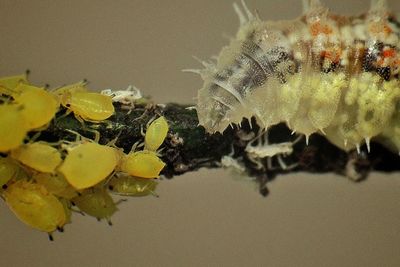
(325,73)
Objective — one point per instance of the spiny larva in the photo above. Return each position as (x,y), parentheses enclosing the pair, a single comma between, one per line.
(320,73)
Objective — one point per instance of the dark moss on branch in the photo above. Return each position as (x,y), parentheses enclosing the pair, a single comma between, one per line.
(188,147)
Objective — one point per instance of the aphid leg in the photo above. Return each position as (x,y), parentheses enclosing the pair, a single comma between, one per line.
(108,179)
(282,164)
(154,194)
(67,112)
(34,137)
(78,211)
(256,161)
(142,133)
(79,118)
(107,122)
(263,180)
(50,236)
(113,142)
(148,124)
(269,164)
(136,145)
(158,152)
(60,229)
(141,116)
(95,132)
(120,201)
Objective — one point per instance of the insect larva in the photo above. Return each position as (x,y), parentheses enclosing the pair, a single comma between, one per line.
(322,72)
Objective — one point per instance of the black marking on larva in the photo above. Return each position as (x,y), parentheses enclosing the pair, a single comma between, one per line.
(384,72)
(265,63)
(370,59)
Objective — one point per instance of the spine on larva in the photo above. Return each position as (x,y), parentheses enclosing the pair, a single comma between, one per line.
(321,73)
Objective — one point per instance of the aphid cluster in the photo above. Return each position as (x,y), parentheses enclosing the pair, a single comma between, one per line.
(41,182)
(321,73)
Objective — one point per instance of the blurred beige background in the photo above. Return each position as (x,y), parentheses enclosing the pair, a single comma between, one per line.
(205,218)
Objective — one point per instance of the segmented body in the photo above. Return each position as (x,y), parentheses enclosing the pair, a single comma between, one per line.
(322,72)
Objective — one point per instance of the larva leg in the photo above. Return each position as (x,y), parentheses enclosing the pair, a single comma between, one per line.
(284,166)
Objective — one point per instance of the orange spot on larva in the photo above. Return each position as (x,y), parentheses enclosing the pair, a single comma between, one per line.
(380,28)
(317,28)
(387,29)
(389,53)
(333,55)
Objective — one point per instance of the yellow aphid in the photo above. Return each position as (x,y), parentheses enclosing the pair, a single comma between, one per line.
(145,164)
(88,164)
(35,206)
(127,185)
(8,84)
(38,156)
(9,169)
(155,134)
(56,184)
(13,127)
(97,203)
(37,105)
(88,105)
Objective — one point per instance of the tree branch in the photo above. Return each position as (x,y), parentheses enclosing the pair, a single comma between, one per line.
(188,147)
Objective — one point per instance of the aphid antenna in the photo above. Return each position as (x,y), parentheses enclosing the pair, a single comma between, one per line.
(34,137)
(154,194)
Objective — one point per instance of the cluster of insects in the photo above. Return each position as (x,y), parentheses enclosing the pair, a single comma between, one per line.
(43,182)
(322,73)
